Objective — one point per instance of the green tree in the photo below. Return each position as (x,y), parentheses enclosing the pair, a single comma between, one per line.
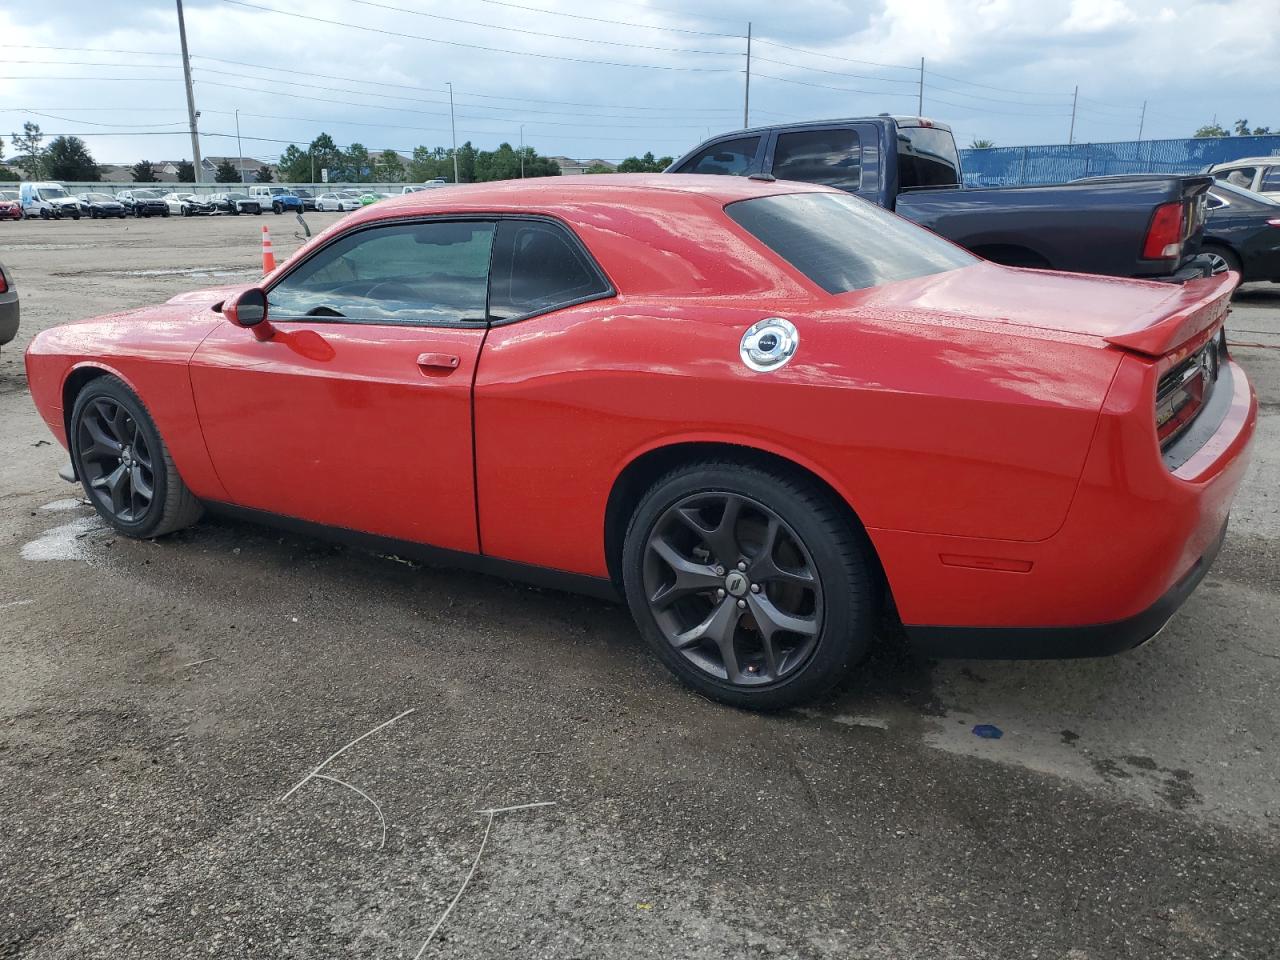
(428,164)
(142,172)
(327,156)
(466,164)
(263,175)
(27,143)
(646,164)
(388,167)
(982,145)
(1210,130)
(356,163)
(186,171)
(68,158)
(599,168)
(294,165)
(1242,130)
(226,172)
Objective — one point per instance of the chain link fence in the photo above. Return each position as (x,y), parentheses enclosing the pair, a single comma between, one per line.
(1060,163)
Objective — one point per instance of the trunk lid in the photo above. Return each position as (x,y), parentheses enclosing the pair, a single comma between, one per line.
(1139,315)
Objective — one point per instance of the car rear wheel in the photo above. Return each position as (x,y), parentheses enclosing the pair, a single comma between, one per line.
(755,588)
(1222,259)
(123,464)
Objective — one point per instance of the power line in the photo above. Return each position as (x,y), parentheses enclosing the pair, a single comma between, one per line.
(539,33)
(832,56)
(827,86)
(623,23)
(476,46)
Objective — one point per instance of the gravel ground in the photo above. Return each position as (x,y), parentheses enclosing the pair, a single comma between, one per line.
(157,699)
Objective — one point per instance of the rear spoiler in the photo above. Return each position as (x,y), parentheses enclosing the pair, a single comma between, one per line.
(1195,307)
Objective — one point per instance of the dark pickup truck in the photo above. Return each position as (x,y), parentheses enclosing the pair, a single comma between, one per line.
(1142,226)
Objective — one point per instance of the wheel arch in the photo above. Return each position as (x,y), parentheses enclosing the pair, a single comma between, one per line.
(644,469)
(78,377)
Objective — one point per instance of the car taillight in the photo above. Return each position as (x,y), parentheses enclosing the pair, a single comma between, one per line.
(1273,223)
(1183,390)
(4,284)
(1164,236)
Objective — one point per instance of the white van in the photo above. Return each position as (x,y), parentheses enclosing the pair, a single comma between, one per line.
(47,199)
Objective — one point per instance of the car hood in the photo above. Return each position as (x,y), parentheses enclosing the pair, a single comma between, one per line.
(1139,315)
(209,296)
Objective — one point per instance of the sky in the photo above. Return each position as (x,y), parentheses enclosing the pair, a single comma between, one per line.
(613,78)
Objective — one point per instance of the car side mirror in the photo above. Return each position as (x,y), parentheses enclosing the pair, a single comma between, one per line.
(249,310)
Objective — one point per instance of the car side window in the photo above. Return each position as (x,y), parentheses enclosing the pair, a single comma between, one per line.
(730,157)
(538,266)
(1240,176)
(1271,179)
(830,157)
(434,273)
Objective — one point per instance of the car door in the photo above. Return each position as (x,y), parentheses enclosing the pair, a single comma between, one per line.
(357,412)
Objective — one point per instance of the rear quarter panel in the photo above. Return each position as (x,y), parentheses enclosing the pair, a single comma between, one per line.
(968,431)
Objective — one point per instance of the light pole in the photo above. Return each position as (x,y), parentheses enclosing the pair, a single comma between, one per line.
(239,148)
(522,151)
(454,130)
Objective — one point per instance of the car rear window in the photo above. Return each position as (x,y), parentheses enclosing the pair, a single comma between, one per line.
(842,243)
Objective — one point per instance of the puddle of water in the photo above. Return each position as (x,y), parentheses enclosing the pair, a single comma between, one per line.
(65,542)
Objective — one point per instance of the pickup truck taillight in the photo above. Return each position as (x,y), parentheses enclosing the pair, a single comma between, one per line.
(1185,388)
(1166,233)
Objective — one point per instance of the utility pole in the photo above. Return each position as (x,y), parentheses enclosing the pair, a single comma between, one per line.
(1071,137)
(746,94)
(239,148)
(920,99)
(522,151)
(453,128)
(191,97)
(1142,119)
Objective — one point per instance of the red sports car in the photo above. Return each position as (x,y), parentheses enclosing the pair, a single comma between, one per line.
(755,409)
(10,209)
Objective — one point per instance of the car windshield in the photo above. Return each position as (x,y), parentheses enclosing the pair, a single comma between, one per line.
(842,243)
(99,197)
(237,196)
(147,195)
(53,193)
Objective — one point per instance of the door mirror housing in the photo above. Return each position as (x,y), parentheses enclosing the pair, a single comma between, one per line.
(249,310)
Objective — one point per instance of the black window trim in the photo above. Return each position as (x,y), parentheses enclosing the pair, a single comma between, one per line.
(488,321)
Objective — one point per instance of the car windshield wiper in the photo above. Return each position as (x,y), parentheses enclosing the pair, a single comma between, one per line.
(324,311)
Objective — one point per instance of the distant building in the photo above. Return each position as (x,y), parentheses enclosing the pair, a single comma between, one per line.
(250,166)
(569,167)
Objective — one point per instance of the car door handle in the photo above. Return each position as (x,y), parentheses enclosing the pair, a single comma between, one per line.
(436,361)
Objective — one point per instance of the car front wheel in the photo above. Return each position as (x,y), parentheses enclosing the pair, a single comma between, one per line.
(123,464)
(755,588)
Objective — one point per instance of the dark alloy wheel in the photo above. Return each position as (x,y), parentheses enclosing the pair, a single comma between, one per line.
(123,464)
(755,588)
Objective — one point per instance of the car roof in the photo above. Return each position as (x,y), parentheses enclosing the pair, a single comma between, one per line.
(1246,162)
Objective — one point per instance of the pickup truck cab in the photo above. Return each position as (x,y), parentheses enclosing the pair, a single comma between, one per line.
(47,200)
(1143,226)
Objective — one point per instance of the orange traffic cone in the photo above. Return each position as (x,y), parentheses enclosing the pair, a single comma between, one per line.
(268,257)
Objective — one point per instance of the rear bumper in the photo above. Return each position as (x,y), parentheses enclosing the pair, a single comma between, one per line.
(1138,537)
(9,314)
(1057,643)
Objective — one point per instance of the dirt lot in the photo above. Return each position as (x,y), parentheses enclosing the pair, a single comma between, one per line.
(158,698)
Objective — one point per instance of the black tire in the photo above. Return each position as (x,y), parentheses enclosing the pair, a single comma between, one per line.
(76,215)
(167,211)
(123,214)
(277,209)
(106,414)
(44,214)
(834,584)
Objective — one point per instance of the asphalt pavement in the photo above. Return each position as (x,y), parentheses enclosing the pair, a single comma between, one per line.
(159,699)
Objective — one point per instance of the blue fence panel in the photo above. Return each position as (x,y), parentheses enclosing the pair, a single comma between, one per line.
(1059,163)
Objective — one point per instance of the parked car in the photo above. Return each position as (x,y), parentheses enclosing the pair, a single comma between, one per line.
(275,199)
(1243,232)
(340,202)
(144,203)
(96,205)
(47,200)
(308,198)
(1259,174)
(1031,463)
(10,205)
(9,308)
(1145,226)
(197,205)
(372,196)
(176,202)
(235,203)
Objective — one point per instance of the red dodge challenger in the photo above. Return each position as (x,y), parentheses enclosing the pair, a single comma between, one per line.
(754,409)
